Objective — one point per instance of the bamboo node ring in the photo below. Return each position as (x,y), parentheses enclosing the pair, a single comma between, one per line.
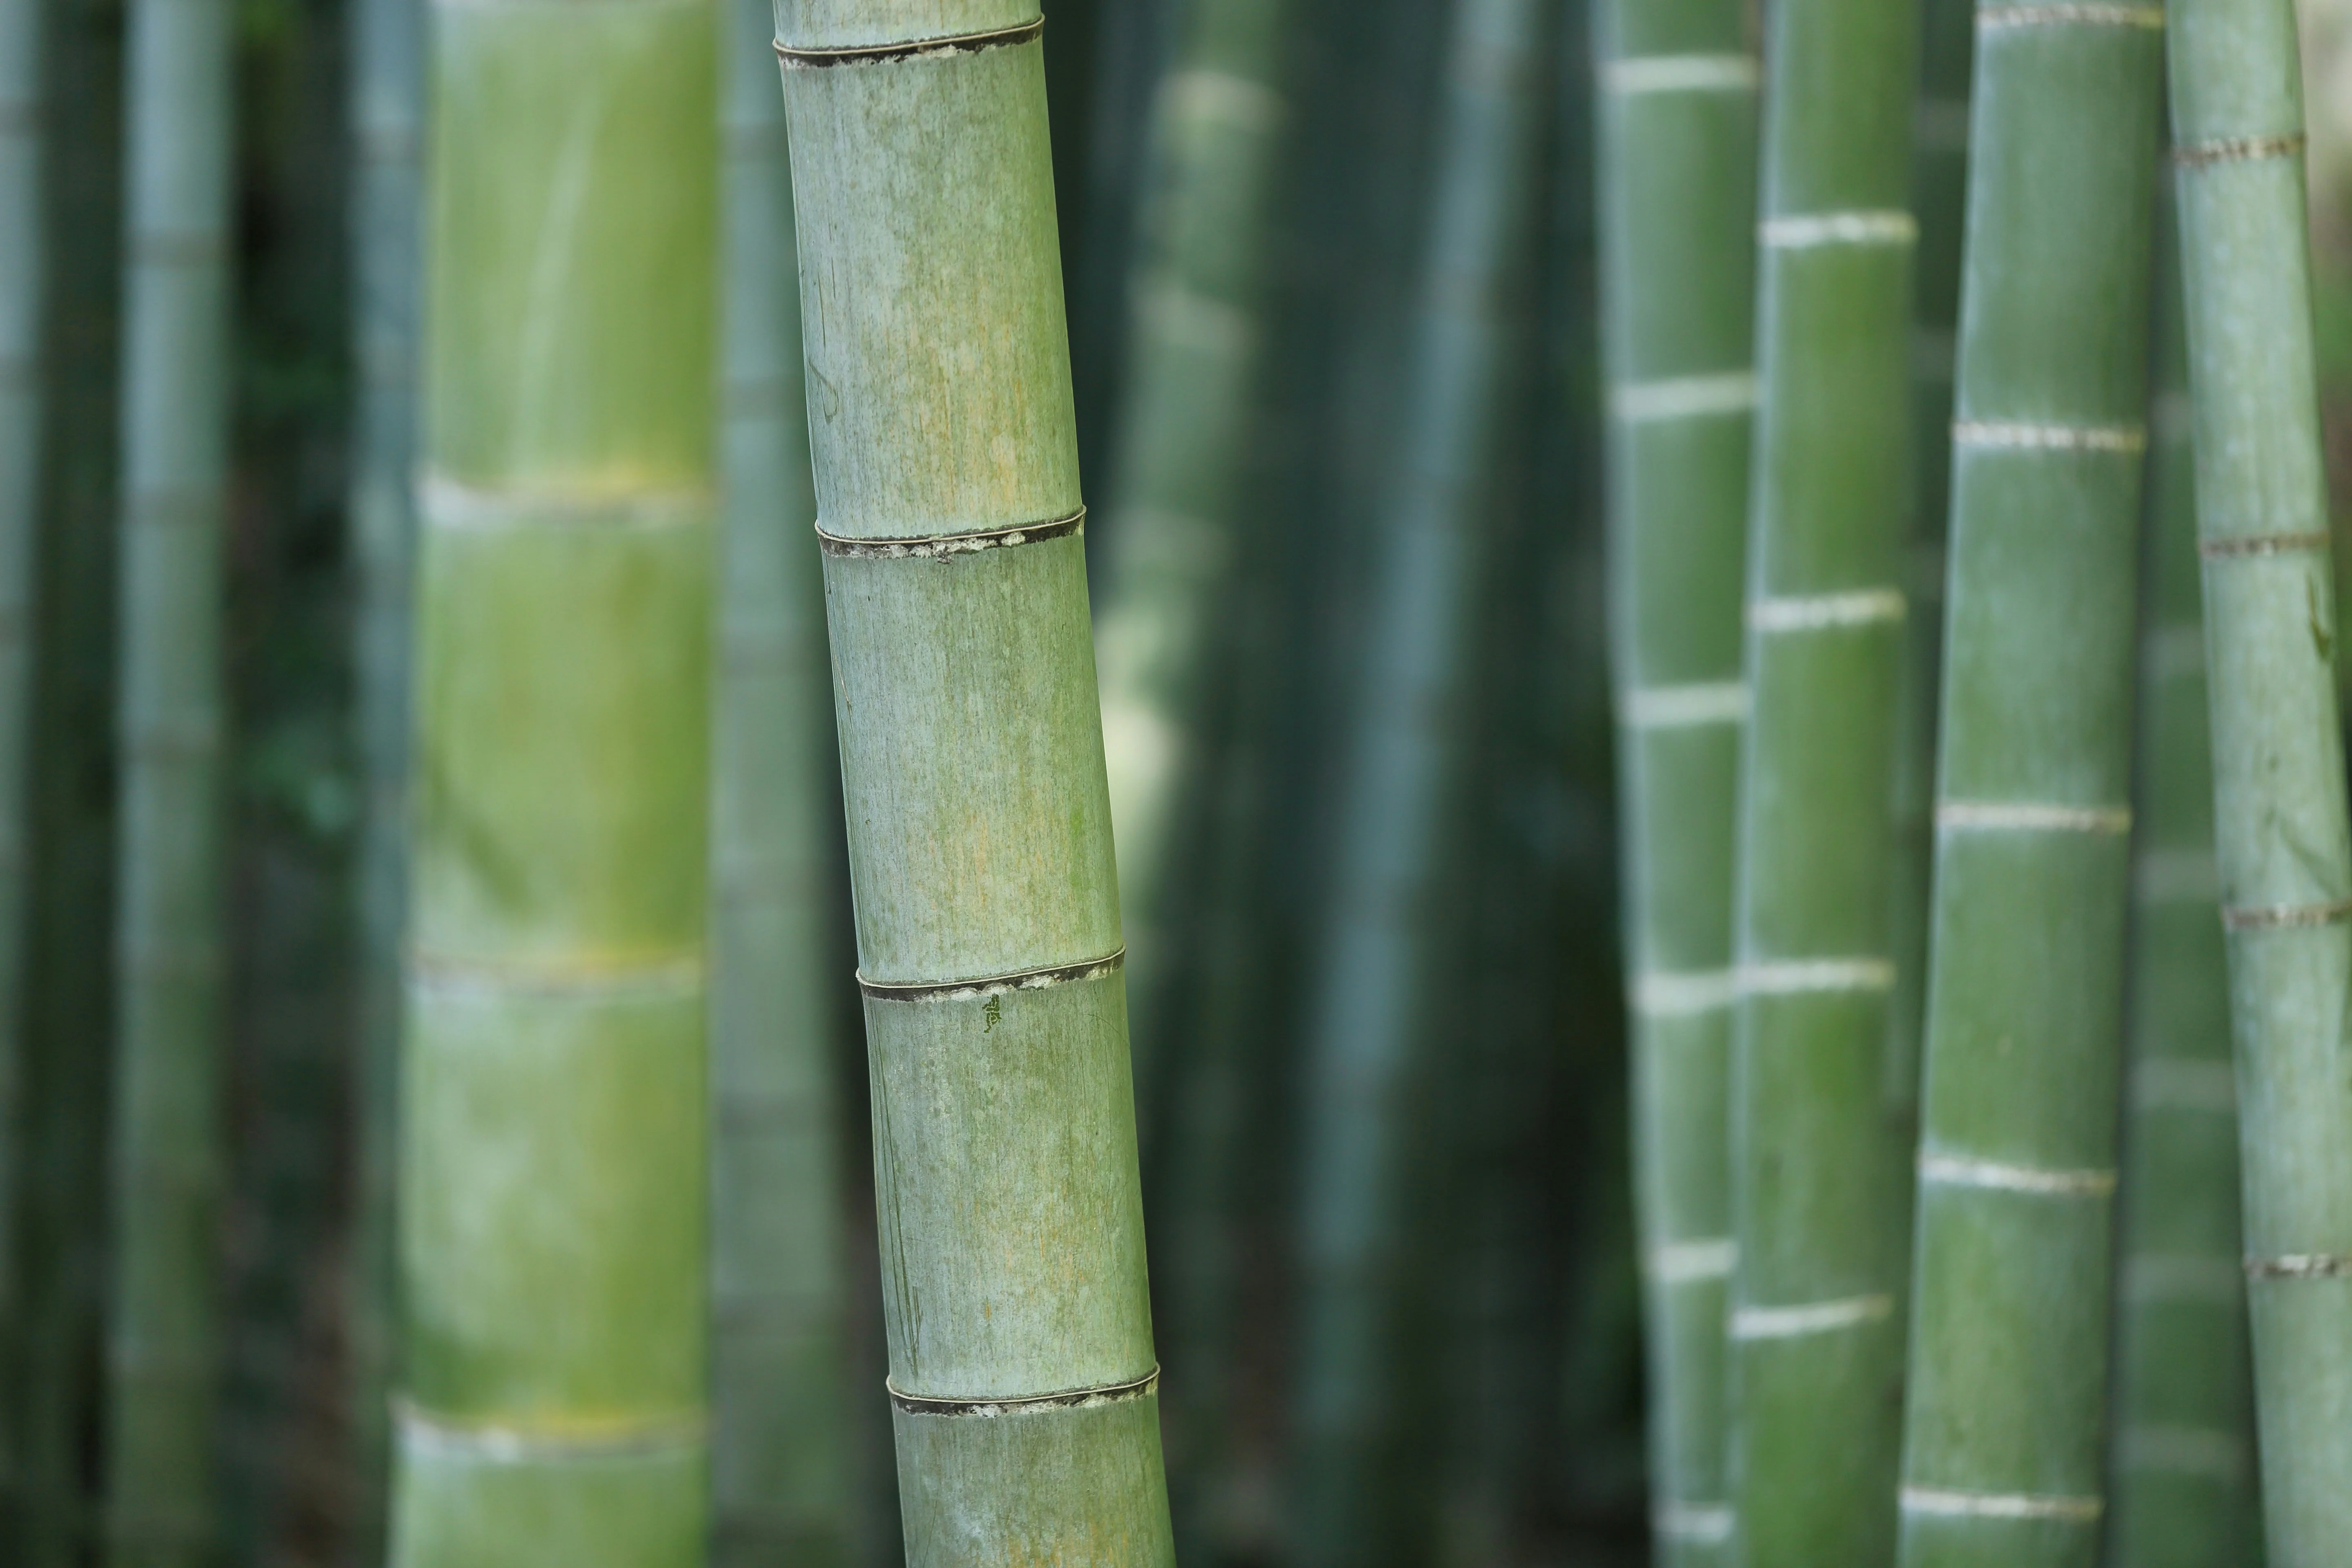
(2284,917)
(985,986)
(1023,1405)
(2002,1505)
(2024,435)
(942,546)
(866,54)
(2301,1265)
(2227,548)
(648,1438)
(2081,15)
(2236,150)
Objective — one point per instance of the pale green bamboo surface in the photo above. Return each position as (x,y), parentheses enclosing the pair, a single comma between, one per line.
(780,1453)
(1022,1372)
(2277,743)
(554,1162)
(1375,993)
(163,1339)
(387,106)
(1816,1336)
(1677,175)
(2180,1457)
(1180,466)
(2007,1395)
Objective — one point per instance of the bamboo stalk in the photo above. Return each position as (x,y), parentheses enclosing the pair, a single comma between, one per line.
(2011,1312)
(554,1163)
(1678,202)
(1021,1372)
(1379,979)
(2180,1464)
(163,1350)
(2277,740)
(780,1475)
(1816,1339)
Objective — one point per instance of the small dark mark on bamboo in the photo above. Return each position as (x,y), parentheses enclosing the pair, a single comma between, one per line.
(2301,1265)
(2261,544)
(1102,1393)
(2285,917)
(996,984)
(2235,150)
(940,546)
(868,54)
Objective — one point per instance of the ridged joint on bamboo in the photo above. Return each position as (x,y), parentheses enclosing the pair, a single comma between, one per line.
(1715,396)
(661,1439)
(2042,1508)
(1643,75)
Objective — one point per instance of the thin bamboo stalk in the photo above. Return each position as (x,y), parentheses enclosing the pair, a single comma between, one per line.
(1816,1338)
(163,1348)
(554,1156)
(2277,740)
(780,1471)
(1678,193)
(1021,1372)
(2180,1464)
(2015,1218)
(1379,977)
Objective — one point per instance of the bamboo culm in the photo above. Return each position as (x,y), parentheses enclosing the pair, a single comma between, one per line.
(1379,984)
(1022,1373)
(1677,88)
(780,1455)
(2006,1414)
(553,1164)
(164,1342)
(1816,1335)
(2277,741)
(2180,1457)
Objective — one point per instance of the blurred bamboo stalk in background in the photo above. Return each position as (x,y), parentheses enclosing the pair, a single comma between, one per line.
(1816,1336)
(1678,181)
(2014,1235)
(165,1340)
(2181,1459)
(1377,991)
(2277,740)
(780,1446)
(1021,1372)
(553,1155)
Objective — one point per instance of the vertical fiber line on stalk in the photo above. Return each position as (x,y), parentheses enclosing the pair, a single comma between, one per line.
(2180,1457)
(163,1339)
(553,1153)
(781,1450)
(2014,1232)
(2277,739)
(1677,86)
(1816,1339)
(1380,972)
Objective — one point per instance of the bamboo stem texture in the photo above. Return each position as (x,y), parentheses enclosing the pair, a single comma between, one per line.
(2277,740)
(1021,1372)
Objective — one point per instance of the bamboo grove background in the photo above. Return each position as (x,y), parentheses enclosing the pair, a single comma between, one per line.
(1333,276)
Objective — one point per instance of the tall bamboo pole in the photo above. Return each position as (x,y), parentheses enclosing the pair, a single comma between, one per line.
(1678,207)
(2180,1461)
(554,1163)
(1816,1340)
(1021,1358)
(2010,1316)
(780,1469)
(1378,981)
(2277,741)
(163,1345)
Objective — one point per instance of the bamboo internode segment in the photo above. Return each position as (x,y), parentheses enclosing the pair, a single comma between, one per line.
(980,847)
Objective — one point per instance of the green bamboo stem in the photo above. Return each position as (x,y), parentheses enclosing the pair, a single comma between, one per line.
(2014,1231)
(1816,1338)
(553,1158)
(2180,1464)
(2277,741)
(1181,470)
(1679,203)
(1022,1373)
(1380,978)
(780,1472)
(163,1348)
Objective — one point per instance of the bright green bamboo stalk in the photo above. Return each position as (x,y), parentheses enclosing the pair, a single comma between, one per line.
(554,1163)
(779,1470)
(1021,1358)
(2277,741)
(1677,172)
(1380,982)
(2010,1310)
(2180,1464)
(163,1346)
(1817,1150)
